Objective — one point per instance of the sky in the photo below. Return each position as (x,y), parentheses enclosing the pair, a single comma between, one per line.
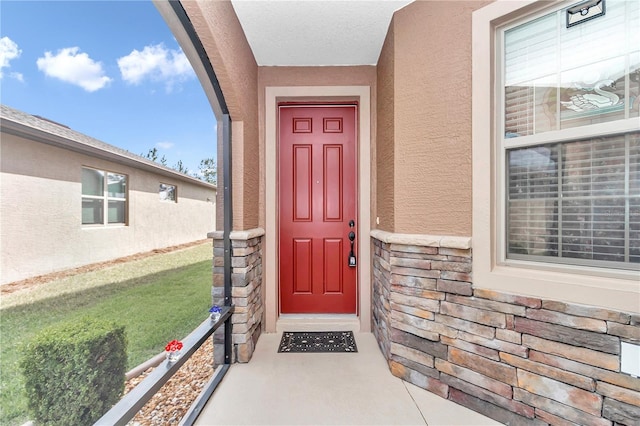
(109,69)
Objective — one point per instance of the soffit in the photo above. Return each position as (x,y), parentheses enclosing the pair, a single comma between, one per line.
(316,32)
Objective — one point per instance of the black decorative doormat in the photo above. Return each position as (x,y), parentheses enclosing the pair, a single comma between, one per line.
(318,341)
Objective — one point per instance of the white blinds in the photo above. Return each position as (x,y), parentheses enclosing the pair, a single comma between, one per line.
(634,201)
(576,200)
(533,201)
(557,77)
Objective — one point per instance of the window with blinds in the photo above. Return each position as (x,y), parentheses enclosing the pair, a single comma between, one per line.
(577,199)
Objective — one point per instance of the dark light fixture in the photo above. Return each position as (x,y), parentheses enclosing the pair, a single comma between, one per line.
(585,11)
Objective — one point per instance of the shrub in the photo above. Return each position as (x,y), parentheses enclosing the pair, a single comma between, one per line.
(75,372)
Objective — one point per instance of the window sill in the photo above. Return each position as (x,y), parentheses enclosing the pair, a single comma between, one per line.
(620,290)
(115,225)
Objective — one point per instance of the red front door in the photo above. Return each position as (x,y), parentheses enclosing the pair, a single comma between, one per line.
(317,202)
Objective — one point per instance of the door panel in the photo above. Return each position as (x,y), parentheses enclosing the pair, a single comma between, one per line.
(302,183)
(302,269)
(317,199)
(333,262)
(333,183)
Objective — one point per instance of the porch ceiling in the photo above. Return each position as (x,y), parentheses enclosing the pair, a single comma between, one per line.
(316,32)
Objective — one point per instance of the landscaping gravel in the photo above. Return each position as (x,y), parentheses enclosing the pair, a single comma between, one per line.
(174,399)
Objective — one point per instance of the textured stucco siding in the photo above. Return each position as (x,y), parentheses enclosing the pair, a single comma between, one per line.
(424,153)
(311,76)
(40,213)
(385,166)
(222,36)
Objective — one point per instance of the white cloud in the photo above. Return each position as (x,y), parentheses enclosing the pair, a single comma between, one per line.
(156,63)
(73,67)
(165,145)
(17,75)
(9,51)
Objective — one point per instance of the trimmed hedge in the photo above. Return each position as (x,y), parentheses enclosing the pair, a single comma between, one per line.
(75,372)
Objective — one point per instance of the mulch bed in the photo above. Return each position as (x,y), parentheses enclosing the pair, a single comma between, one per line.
(43,279)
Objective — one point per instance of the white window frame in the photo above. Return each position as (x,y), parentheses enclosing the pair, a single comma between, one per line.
(613,288)
(106,198)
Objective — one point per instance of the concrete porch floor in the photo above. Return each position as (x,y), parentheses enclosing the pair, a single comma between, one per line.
(326,389)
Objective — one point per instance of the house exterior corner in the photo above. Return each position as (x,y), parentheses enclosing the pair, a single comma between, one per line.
(69,200)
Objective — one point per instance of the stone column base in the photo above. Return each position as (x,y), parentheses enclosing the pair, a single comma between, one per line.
(246,282)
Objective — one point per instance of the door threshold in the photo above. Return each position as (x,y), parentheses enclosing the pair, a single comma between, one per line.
(317,322)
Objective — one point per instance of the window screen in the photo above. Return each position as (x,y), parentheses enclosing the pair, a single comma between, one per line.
(576,200)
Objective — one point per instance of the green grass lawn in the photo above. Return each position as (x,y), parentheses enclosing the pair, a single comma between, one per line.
(157,299)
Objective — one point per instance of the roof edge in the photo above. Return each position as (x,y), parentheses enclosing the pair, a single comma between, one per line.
(102,150)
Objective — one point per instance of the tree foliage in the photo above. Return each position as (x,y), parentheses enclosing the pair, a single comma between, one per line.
(152,155)
(207,169)
(179,167)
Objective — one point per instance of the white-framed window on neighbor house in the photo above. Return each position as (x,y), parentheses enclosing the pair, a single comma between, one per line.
(104,197)
(559,127)
(168,193)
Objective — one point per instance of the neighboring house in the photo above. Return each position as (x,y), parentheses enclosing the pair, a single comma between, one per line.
(68,200)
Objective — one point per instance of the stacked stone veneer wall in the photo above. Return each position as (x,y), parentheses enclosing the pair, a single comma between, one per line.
(519,360)
(246,281)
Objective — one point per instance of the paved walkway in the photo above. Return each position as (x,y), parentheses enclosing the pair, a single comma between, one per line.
(326,389)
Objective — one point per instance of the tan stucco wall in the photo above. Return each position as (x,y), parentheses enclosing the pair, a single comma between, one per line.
(317,76)
(384,145)
(422,157)
(427,55)
(40,215)
(311,76)
(228,50)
